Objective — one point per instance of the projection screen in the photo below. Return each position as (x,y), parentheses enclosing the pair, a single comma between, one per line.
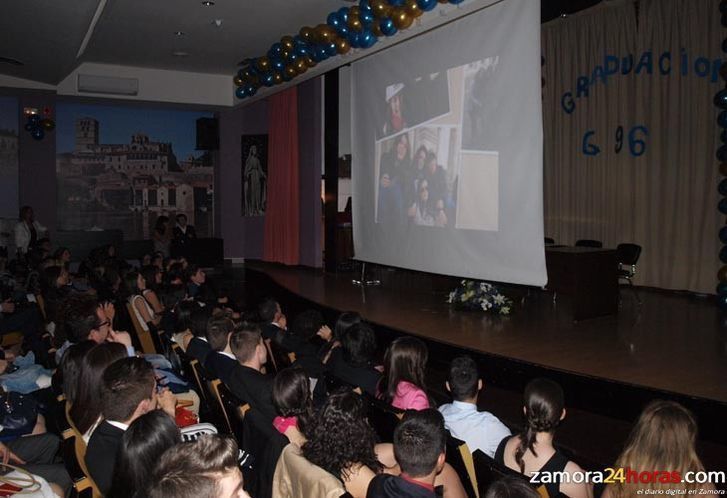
(446,136)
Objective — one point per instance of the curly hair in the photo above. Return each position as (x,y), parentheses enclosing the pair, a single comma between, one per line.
(342,437)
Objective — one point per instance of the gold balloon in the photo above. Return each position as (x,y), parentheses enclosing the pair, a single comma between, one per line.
(376,29)
(324,33)
(306,33)
(413,9)
(309,62)
(277,78)
(380,8)
(287,42)
(401,18)
(285,53)
(237,80)
(354,22)
(443,1)
(354,11)
(723,169)
(300,66)
(263,63)
(290,71)
(342,46)
(722,274)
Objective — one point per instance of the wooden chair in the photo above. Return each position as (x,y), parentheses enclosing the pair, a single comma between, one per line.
(144,336)
(382,417)
(77,457)
(487,471)
(210,386)
(459,457)
(280,359)
(235,410)
(190,373)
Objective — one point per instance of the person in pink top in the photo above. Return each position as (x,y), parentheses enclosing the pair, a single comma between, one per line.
(402,384)
(292,401)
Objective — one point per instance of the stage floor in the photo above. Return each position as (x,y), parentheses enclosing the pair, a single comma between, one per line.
(672,342)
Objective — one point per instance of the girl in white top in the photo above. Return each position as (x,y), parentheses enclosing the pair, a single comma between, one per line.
(136,285)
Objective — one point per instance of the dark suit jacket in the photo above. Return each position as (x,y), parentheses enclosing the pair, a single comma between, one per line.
(306,354)
(101,454)
(269,331)
(255,388)
(367,378)
(219,365)
(198,349)
(388,486)
(182,237)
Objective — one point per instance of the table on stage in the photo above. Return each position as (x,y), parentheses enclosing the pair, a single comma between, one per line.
(587,276)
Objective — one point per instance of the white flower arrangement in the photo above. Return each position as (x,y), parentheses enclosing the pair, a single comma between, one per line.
(479,296)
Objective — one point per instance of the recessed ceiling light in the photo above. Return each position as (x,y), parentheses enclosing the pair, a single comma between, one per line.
(179,33)
(208,3)
(180,53)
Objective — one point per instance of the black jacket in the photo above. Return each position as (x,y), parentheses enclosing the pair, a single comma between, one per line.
(219,365)
(101,453)
(253,387)
(367,378)
(198,349)
(388,486)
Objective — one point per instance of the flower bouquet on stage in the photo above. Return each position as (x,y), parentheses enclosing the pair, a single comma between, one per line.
(472,295)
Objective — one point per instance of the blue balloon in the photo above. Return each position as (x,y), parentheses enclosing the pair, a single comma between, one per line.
(456,2)
(723,254)
(354,38)
(333,20)
(29,126)
(720,99)
(722,187)
(722,154)
(343,31)
(366,17)
(723,234)
(722,301)
(722,206)
(318,54)
(34,118)
(343,14)
(722,119)
(387,26)
(241,92)
(722,288)
(37,133)
(396,3)
(251,90)
(364,5)
(367,39)
(268,79)
(292,56)
(276,50)
(426,5)
(278,64)
(330,49)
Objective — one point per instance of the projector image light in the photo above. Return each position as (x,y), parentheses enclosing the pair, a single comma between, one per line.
(112,85)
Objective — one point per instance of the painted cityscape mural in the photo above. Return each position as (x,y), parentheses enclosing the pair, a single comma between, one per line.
(121,167)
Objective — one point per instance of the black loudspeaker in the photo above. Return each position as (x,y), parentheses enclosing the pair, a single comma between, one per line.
(208,135)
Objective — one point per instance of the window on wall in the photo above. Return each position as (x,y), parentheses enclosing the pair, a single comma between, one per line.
(152,195)
(172,197)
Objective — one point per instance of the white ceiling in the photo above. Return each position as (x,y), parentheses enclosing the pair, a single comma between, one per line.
(47,34)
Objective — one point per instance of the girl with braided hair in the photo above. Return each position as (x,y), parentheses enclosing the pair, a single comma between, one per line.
(532,450)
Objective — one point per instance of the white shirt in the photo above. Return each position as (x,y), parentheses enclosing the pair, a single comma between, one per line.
(229,355)
(118,425)
(480,430)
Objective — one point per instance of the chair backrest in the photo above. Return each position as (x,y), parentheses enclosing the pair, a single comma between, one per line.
(189,372)
(214,401)
(214,387)
(588,243)
(74,456)
(235,410)
(279,358)
(383,418)
(459,457)
(144,336)
(488,471)
(628,254)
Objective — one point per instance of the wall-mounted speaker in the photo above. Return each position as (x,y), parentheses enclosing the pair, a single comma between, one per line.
(208,134)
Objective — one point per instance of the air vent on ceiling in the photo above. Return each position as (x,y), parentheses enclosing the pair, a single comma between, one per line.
(88,83)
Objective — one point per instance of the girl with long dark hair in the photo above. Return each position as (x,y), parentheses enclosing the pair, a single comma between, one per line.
(293,403)
(532,450)
(402,384)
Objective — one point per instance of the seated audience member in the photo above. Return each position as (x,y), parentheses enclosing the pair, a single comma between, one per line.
(190,327)
(298,339)
(26,320)
(333,338)
(402,384)
(511,487)
(353,363)
(533,450)
(135,290)
(128,392)
(54,289)
(86,319)
(247,382)
(38,455)
(419,445)
(272,318)
(71,368)
(480,430)
(62,255)
(196,286)
(342,442)
(220,361)
(85,411)
(153,282)
(142,445)
(206,468)
(663,438)
(293,404)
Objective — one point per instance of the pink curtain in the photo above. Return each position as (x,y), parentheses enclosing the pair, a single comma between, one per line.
(282,217)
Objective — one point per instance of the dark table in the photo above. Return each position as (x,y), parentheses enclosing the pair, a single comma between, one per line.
(587,276)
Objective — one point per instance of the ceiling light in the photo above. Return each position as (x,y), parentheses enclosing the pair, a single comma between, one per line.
(180,53)
(208,3)
(179,33)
